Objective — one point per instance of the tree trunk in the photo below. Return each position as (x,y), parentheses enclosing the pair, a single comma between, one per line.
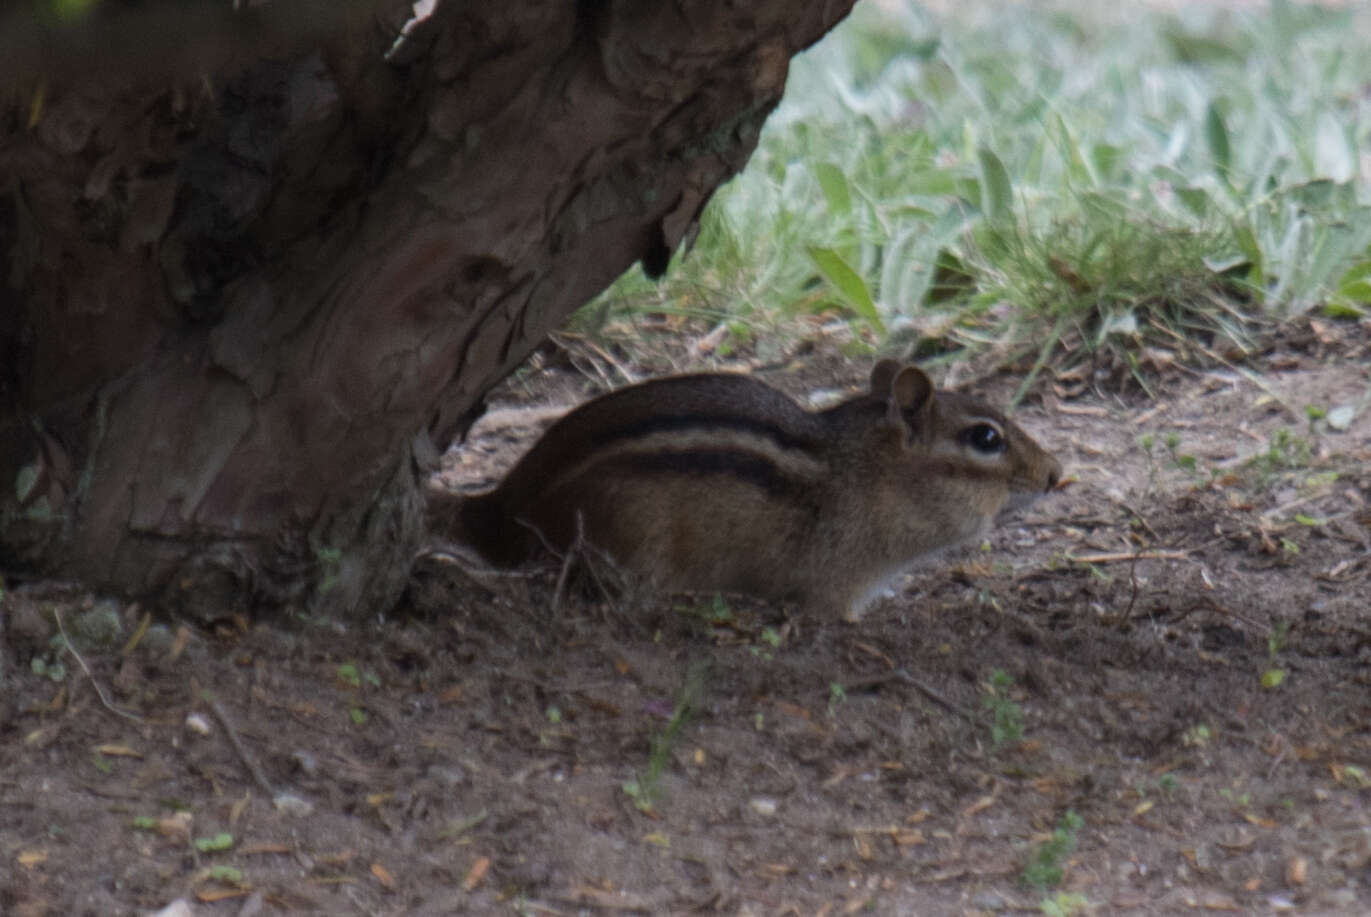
(243,310)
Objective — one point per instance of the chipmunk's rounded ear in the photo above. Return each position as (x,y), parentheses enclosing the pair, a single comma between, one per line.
(911,399)
(882,374)
(910,389)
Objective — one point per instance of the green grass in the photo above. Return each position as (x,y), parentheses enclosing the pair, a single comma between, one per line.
(1049,184)
(645,788)
(1047,861)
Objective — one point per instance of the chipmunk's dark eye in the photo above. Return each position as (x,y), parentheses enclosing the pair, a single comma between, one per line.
(984,437)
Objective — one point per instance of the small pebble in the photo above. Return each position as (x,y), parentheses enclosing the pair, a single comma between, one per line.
(763,805)
(198,724)
(306,762)
(1340,418)
(290,804)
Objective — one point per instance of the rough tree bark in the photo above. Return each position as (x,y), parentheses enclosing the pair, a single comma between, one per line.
(244,308)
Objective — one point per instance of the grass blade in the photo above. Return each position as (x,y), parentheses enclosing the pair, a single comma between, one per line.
(834,186)
(848,283)
(1220,148)
(997,194)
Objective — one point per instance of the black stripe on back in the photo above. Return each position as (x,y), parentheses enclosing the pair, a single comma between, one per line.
(667,423)
(744,466)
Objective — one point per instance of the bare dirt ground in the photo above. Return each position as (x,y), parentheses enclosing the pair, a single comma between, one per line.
(479,753)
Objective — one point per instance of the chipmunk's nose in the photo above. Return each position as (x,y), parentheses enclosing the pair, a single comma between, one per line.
(1054,476)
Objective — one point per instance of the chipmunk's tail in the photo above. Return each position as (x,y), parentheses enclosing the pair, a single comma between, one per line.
(482,523)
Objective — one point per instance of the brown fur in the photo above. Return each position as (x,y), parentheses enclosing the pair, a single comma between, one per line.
(719,482)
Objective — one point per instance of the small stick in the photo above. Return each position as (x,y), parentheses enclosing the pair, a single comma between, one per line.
(1127,555)
(100,692)
(258,776)
(904,676)
(934,696)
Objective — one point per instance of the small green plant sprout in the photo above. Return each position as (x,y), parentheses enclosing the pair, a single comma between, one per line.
(214,843)
(1196,736)
(771,641)
(837,696)
(1285,453)
(1184,460)
(349,675)
(1064,904)
(1241,800)
(1047,861)
(1274,675)
(1006,716)
(229,875)
(354,678)
(645,788)
(1168,783)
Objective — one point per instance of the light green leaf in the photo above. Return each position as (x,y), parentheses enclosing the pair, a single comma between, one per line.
(1196,200)
(230,875)
(1334,156)
(1106,158)
(1077,172)
(997,194)
(933,181)
(834,185)
(1222,264)
(1355,283)
(848,283)
(221,841)
(1216,134)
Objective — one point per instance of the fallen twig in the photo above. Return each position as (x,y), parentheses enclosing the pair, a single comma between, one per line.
(258,776)
(100,692)
(904,676)
(1117,556)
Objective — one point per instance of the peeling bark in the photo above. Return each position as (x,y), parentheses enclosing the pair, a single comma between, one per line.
(243,312)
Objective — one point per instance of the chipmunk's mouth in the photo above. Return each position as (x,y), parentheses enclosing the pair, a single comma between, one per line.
(1020,499)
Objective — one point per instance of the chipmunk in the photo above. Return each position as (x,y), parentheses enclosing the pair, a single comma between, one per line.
(719,482)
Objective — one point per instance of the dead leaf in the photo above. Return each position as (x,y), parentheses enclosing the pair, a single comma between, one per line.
(253,849)
(980,805)
(31,858)
(176,825)
(236,811)
(1296,870)
(139,633)
(1218,901)
(118,751)
(383,876)
(451,695)
(873,651)
(476,873)
(178,645)
(609,900)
